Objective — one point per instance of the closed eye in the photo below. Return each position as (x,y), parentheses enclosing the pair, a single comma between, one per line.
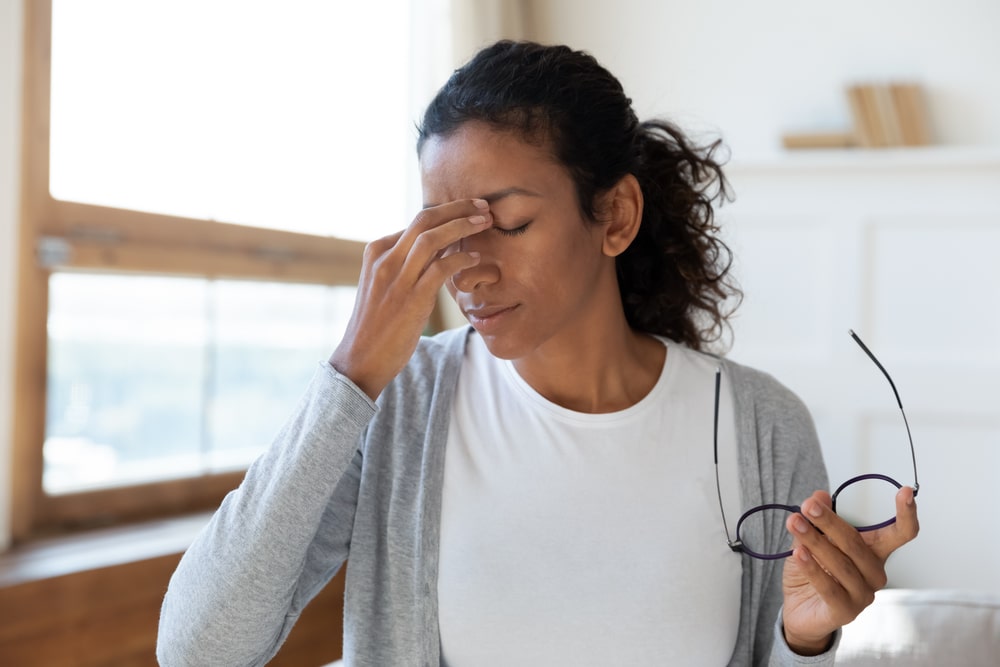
(516,231)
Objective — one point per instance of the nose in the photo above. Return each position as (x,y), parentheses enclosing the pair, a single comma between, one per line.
(484,273)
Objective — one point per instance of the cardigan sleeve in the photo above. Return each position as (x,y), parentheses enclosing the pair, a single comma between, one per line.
(780,462)
(797,472)
(275,541)
(782,655)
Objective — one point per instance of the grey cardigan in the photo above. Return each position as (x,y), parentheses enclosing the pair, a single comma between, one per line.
(346,476)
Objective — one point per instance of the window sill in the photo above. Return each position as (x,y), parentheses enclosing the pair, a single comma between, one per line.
(59,556)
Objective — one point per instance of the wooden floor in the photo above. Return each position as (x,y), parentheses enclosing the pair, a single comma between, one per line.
(108,617)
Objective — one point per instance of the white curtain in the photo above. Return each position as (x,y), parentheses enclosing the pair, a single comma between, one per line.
(476,23)
(446,33)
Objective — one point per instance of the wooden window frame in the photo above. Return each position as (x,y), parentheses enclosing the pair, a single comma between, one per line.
(92,237)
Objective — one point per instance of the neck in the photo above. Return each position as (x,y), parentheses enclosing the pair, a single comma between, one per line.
(609,370)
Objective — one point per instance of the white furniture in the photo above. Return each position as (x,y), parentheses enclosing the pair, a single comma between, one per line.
(921,628)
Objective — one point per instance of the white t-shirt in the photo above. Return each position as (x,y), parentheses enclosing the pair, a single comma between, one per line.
(587,539)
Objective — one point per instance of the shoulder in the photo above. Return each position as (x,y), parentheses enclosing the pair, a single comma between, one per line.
(779,437)
(771,414)
(762,391)
(745,381)
(778,421)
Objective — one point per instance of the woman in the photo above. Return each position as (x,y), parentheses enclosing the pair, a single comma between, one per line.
(538,488)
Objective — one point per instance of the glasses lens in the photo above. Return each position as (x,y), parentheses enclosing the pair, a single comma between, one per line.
(867,502)
(757,524)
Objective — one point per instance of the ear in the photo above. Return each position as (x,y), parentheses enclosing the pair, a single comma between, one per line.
(623,215)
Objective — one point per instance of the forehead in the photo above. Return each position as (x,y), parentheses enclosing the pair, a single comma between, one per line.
(477,159)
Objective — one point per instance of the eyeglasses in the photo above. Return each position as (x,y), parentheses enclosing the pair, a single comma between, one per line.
(861,487)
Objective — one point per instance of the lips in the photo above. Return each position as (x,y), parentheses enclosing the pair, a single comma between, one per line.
(487,319)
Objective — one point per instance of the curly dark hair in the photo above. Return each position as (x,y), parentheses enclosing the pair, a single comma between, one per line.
(675,277)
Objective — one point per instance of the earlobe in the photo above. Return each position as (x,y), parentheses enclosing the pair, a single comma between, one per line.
(624,215)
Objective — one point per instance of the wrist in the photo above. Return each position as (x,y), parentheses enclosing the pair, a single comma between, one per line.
(370,383)
(807,646)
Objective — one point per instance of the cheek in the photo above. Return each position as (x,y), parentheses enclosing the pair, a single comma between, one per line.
(572,255)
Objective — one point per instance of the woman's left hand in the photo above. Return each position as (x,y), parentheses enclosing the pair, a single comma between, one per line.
(833,575)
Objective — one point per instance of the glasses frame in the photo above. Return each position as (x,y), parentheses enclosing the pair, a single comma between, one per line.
(737,544)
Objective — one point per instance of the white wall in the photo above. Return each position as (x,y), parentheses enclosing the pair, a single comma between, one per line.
(10,109)
(897,244)
(903,253)
(755,69)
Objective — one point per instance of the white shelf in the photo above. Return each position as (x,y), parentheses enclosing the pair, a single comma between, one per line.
(929,157)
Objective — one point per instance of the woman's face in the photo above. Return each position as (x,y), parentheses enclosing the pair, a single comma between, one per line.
(543,279)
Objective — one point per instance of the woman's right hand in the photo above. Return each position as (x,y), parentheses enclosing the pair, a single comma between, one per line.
(401,276)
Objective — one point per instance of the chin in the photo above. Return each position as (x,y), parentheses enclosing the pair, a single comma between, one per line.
(502,347)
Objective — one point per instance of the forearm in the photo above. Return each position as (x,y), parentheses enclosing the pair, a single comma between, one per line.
(235,587)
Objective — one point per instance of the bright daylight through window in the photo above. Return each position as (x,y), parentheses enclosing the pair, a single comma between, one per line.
(153,378)
(293,116)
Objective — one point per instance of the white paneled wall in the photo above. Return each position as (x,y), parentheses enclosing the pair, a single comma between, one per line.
(902,247)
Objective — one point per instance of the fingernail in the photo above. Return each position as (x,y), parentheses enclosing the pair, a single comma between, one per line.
(800,525)
(481,203)
(474,255)
(802,554)
(814,510)
(477,219)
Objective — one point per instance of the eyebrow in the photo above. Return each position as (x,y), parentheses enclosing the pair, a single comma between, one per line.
(514,191)
(494,197)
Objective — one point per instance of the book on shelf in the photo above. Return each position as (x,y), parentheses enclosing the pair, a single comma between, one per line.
(912,111)
(818,140)
(864,133)
(888,114)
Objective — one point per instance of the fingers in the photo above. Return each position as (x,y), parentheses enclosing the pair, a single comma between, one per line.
(400,278)
(839,551)
(404,260)
(844,538)
(907,525)
(886,540)
(834,569)
(440,242)
(809,567)
(825,542)
(435,230)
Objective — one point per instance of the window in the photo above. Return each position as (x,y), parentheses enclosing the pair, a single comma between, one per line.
(153,378)
(199,178)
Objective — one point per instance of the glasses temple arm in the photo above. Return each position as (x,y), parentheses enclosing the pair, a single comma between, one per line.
(715,446)
(879,364)
(913,454)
